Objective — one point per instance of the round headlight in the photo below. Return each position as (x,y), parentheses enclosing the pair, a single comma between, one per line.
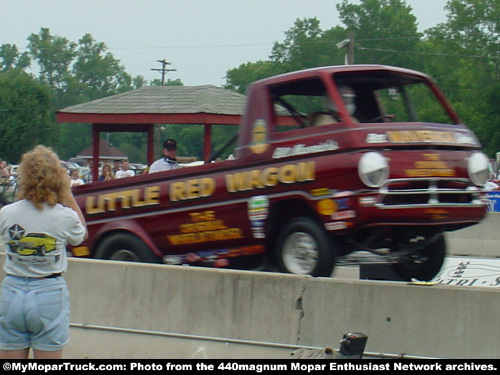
(373,169)
(477,167)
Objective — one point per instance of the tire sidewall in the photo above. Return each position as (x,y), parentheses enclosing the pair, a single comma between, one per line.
(123,241)
(435,253)
(324,244)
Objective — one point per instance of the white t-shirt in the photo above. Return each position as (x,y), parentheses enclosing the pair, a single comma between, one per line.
(35,240)
(163,165)
(77,182)
(121,173)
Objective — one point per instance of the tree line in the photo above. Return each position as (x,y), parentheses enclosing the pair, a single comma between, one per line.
(461,54)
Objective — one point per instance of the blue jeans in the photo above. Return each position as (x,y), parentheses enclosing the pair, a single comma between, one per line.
(34,313)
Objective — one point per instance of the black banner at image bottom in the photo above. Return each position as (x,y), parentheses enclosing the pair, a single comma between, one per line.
(258,366)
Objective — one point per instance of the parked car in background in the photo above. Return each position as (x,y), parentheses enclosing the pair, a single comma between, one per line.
(138,168)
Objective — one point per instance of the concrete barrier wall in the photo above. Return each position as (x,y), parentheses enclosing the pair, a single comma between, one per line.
(482,239)
(450,322)
(130,310)
(177,305)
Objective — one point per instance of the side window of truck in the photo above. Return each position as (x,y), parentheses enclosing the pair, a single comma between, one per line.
(298,99)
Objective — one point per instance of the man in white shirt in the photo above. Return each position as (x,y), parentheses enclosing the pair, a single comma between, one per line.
(125,172)
(75,178)
(169,160)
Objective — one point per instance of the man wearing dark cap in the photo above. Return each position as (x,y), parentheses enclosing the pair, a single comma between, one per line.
(169,160)
(116,165)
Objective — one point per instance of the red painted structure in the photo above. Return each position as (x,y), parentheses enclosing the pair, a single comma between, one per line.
(133,112)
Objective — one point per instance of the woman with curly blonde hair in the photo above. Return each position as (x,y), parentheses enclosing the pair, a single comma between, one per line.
(34,305)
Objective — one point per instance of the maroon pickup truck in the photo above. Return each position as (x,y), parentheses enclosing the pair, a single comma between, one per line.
(375,161)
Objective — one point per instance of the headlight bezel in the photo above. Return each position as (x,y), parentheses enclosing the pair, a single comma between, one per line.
(477,168)
(373,169)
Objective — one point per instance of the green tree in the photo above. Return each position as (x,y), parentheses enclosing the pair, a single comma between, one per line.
(470,74)
(239,78)
(306,45)
(10,58)
(25,116)
(386,31)
(475,25)
(54,55)
(170,82)
(96,71)
(78,73)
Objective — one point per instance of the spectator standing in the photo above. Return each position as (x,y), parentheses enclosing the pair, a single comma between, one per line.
(75,178)
(107,173)
(4,169)
(4,173)
(169,160)
(125,171)
(116,166)
(33,287)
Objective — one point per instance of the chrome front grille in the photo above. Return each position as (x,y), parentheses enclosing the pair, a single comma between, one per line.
(428,192)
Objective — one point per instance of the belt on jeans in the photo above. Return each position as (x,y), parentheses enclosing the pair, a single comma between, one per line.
(51,276)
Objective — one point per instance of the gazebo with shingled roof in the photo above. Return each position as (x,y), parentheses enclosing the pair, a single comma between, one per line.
(139,110)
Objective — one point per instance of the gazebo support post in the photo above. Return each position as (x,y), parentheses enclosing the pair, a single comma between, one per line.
(96,152)
(97,129)
(151,144)
(207,142)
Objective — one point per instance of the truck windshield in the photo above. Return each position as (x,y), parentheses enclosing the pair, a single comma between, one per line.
(411,103)
(368,97)
(391,97)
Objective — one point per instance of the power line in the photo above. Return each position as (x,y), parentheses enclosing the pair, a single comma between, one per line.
(305,43)
(200,46)
(395,38)
(252,44)
(59,4)
(430,53)
(240,45)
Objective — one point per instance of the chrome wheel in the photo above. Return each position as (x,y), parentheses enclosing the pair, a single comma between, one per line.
(304,247)
(300,253)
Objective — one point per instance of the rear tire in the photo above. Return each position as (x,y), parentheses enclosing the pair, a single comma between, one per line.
(304,247)
(425,264)
(125,247)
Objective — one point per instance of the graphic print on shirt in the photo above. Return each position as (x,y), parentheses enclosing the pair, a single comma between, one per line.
(24,244)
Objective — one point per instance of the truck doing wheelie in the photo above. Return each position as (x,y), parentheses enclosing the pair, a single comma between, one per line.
(374,161)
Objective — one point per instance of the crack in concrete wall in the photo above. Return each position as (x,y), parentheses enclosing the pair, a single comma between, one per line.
(299,307)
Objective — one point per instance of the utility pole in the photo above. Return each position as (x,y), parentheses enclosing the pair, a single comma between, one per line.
(164,70)
(350,48)
(349,45)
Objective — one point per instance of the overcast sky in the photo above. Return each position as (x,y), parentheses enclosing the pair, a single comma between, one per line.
(201,38)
